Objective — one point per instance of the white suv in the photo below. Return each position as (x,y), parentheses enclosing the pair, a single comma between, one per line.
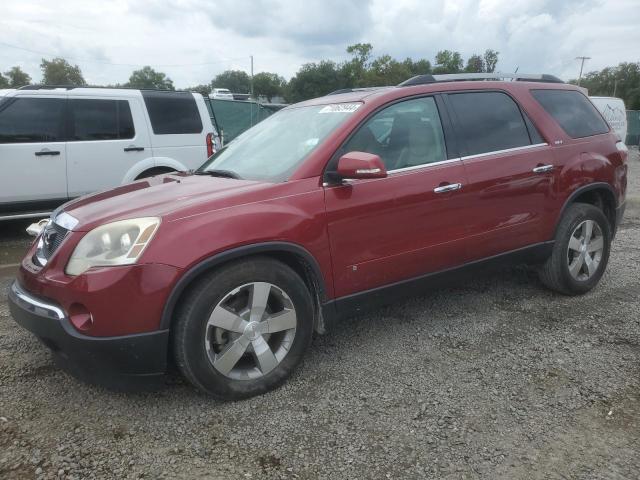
(60,143)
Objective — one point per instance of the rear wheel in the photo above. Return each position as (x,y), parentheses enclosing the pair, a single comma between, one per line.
(243,329)
(581,251)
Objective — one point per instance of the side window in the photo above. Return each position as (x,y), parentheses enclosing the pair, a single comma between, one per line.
(489,121)
(32,120)
(95,119)
(172,112)
(406,134)
(573,111)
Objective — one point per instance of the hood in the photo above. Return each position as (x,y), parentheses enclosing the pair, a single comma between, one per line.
(169,196)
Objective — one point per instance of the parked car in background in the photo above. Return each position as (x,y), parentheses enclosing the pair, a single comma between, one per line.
(221,94)
(60,143)
(329,207)
(614,112)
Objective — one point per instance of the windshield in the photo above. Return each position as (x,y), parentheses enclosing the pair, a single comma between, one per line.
(275,147)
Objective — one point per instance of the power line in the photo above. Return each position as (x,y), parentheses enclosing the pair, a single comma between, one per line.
(102,62)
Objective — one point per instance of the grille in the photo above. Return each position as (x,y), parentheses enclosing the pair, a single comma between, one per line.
(51,238)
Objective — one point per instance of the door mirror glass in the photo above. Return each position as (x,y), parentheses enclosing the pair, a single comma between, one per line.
(355,165)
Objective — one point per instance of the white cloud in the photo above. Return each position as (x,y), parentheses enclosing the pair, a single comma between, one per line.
(193,40)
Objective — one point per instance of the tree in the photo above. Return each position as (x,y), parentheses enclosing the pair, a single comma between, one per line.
(60,72)
(490,60)
(235,80)
(354,71)
(622,81)
(4,83)
(448,61)
(315,80)
(268,85)
(17,77)
(147,77)
(201,89)
(475,64)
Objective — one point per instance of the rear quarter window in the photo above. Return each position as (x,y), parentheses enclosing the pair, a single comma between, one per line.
(172,113)
(573,111)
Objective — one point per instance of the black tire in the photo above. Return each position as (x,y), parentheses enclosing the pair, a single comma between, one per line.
(152,172)
(554,273)
(190,327)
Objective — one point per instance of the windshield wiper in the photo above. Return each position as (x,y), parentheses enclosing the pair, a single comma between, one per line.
(219,173)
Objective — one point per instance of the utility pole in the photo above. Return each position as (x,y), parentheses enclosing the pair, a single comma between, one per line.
(251,76)
(582,59)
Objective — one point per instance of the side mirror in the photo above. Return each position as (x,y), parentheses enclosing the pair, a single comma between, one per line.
(355,165)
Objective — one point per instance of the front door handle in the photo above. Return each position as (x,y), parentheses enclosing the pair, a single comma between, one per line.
(46,151)
(543,168)
(133,149)
(448,188)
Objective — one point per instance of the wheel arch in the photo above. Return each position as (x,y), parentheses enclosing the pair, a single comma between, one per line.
(599,194)
(150,163)
(292,255)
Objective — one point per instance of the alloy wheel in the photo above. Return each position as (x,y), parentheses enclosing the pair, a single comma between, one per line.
(585,249)
(250,331)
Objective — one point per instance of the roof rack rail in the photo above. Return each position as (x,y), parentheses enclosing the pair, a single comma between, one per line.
(460,77)
(72,87)
(357,89)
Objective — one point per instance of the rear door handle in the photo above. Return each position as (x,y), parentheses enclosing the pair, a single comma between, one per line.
(448,188)
(44,152)
(543,168)
(133,149)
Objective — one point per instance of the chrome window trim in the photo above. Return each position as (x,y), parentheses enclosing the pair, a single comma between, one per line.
(34,305)
(506,150)
(424,165)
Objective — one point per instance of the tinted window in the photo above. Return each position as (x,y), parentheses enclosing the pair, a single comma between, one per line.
(406,134)
(489,121)
(573,111)
(93,119)
(31,120)
(172,113)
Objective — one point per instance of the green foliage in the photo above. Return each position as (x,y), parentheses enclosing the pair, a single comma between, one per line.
(475,64)
(448,62)
(235,80)
(490,60)
(268,85)
(4,83)
(201,89)
(147,77)
(315,80)
(622,81)
(17,77)
(60,72)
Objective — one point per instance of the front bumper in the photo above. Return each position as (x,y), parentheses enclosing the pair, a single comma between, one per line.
(135,361)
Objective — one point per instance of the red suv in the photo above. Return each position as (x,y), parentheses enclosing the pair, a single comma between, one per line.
(330,206)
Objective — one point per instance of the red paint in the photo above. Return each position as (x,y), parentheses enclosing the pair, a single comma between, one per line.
(365,234)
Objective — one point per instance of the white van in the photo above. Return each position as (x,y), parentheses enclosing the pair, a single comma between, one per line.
(60,143)
(614,112)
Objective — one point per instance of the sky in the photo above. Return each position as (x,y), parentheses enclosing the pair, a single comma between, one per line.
(193,40)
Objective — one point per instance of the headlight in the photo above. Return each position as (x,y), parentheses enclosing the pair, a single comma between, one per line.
(117,243)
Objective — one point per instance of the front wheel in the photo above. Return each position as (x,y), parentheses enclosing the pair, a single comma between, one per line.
(242,330)
(581,251)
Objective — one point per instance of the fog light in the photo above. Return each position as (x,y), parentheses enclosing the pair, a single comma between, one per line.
(80,317)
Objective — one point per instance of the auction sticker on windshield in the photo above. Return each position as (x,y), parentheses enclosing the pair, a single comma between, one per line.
(340,108)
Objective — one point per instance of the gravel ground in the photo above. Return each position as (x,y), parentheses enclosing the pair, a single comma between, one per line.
(496,379)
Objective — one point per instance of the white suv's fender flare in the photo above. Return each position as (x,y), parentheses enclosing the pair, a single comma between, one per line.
(149,163)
